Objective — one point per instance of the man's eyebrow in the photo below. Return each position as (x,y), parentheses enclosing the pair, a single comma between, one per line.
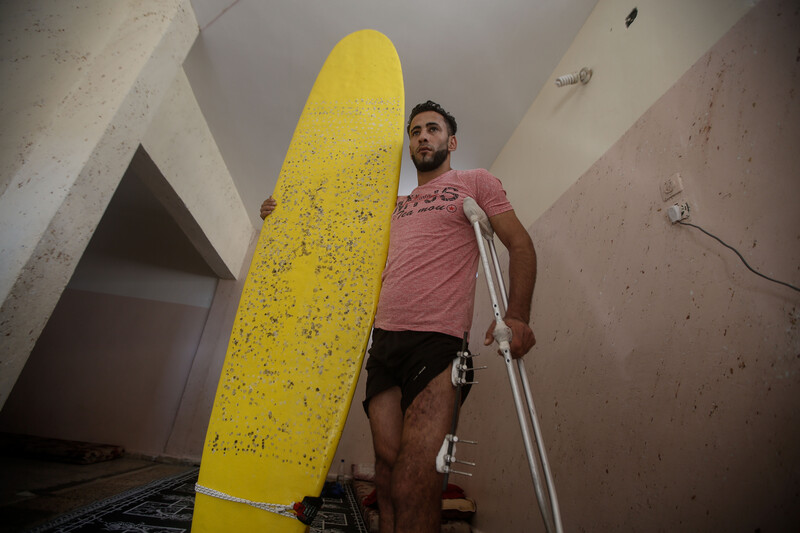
(427,125)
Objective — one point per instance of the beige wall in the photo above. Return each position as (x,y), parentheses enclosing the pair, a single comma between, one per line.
(113,368)
(83,87)
(192,417)
(567,129)
(665,373)
(118,351)
(79,103)
(193,182)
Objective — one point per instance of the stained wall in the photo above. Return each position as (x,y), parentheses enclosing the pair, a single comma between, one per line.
(666,373)
(567,129)
(92,90)
(77,104)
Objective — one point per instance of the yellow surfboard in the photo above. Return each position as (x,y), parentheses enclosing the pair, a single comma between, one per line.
(306,311)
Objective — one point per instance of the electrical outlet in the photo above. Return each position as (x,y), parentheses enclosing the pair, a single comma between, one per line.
(678,212)
(671,186)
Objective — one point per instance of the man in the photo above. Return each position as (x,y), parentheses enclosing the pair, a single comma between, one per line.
(425,306)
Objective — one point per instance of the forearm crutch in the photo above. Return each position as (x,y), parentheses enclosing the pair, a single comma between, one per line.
(502,334)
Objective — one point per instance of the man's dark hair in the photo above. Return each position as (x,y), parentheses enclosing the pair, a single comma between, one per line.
(433,106)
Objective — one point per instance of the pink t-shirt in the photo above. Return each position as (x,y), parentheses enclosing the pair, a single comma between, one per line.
(429,279)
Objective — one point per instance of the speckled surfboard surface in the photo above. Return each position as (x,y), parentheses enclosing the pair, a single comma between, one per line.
(307,307)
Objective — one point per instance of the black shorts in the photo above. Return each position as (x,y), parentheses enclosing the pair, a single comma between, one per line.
(409,360)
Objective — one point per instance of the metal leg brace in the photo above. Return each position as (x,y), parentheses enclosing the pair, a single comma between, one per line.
(447,453)
(502,333)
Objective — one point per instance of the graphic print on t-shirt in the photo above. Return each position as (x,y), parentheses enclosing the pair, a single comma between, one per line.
(422,203)
(429,279)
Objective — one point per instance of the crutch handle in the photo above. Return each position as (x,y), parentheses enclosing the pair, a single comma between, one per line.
(474,213)
(502,333)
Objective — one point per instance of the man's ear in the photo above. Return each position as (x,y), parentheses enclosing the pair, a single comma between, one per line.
(452,143)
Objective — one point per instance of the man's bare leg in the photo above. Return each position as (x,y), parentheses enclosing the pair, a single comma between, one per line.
(386,422)
(416,485)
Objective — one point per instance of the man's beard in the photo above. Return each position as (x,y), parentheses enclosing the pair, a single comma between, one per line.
(432,164)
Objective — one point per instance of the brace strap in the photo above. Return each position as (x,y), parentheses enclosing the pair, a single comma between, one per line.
(304,511)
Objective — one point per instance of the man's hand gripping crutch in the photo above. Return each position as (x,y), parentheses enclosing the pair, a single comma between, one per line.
(503,335)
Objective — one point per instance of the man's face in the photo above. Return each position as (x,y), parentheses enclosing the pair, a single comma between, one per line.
(429,142)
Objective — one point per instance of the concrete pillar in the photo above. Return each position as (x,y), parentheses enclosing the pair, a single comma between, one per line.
(82,83)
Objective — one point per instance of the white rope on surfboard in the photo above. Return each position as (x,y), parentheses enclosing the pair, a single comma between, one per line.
(284,510)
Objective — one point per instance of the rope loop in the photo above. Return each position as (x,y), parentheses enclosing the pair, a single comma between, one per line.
(283,510)
(304,511)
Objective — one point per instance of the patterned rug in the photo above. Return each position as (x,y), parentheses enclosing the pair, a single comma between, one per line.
(166,506)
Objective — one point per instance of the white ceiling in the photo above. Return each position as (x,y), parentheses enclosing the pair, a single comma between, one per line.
(485,61)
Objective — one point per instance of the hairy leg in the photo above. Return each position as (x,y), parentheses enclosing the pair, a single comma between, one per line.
(416,485)
(386,423)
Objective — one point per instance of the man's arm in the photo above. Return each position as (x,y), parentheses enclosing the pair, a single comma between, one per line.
(522,278)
